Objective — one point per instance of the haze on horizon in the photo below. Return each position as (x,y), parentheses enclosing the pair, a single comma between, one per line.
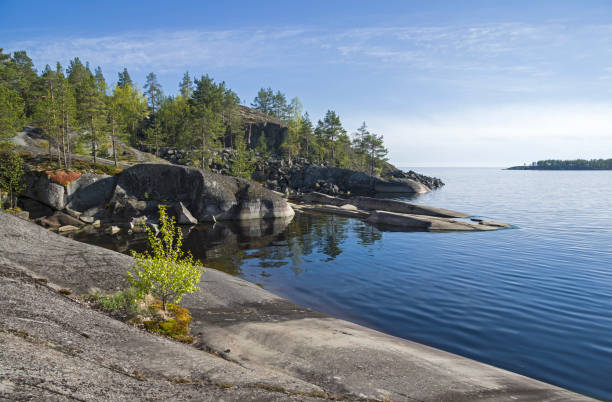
(483,83)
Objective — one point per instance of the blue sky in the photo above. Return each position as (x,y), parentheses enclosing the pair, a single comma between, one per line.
(448,83)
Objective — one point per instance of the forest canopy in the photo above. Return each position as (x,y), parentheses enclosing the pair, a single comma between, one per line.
(78,108)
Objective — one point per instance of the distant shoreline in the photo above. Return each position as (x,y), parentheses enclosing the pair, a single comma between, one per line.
(575,164)
(553,168)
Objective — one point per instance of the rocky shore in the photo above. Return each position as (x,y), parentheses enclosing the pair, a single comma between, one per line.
(250,344)
(295,176)
(67,201)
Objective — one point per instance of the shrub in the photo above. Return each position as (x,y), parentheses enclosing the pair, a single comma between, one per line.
(166,272)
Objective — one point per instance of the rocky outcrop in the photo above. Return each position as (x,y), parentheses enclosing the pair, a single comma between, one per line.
(206,196)
(298,175)
(82,198)
(395,215)
(192,195)
(331,180)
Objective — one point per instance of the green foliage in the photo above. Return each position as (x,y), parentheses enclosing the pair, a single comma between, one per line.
(11,112)
(333,136)
(119,301)
(166,272)
(11,173)
(124,79)
(77,113)
(243,165)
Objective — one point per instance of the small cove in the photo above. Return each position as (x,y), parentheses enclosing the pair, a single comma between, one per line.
(536,300)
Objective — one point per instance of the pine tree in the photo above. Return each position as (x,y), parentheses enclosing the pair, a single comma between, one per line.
(331,132)
(12,112)
(294,127)
(375,149)
(155,96)
(306,137)
(125,79)
(264,101)
(26,81)
(186,86)
(243,165)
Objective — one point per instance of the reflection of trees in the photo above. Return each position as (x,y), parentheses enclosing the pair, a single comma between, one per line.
(277,243)
(368,234)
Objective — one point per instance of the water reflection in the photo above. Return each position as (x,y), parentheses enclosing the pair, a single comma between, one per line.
(268,243)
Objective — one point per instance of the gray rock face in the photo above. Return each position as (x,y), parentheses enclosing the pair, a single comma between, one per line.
(89,191)
(354,182)
(41,189)
(206,196)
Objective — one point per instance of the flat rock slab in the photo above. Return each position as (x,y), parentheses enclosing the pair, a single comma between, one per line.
(429,223)
(404,207)
(263,335)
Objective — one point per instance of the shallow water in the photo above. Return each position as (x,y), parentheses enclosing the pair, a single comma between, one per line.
(536,300)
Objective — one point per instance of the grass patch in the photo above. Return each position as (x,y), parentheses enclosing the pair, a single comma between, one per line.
(122,305)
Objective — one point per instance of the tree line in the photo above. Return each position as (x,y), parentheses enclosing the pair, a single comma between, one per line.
(82,113)
(576,164)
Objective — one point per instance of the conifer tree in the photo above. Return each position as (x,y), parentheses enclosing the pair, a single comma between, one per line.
(264,101)
(186,86)
(330,130)
(124,79)
(155,97)
(12,112)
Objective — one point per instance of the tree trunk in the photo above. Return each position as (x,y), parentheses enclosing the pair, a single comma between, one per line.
(93,139)
(114,147)
(203,144)
(69,160)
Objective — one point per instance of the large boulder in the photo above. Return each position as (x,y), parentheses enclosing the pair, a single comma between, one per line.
(39,188)
(89,191)
(206,196)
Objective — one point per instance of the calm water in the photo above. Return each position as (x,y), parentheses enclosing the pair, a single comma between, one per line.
(536,300)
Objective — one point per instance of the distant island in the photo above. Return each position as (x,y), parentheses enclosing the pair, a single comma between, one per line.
(576,164)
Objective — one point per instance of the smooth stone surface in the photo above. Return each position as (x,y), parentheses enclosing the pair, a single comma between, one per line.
(400,186)
(267,337)
(423,222)
(405,207)
(182,214)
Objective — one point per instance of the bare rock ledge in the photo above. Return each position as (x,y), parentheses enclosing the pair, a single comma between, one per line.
(266,348)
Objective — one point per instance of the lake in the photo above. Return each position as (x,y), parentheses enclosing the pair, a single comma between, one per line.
(536,300)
